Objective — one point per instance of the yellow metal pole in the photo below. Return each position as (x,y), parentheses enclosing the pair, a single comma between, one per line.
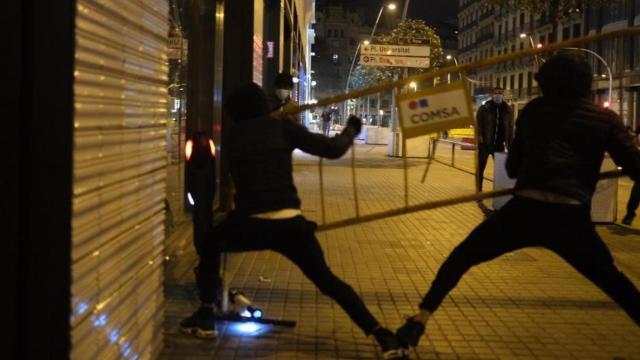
(436,204)
(353,177)
(324,219)
(406,171)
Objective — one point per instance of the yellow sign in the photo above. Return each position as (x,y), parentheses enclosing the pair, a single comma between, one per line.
(435,109)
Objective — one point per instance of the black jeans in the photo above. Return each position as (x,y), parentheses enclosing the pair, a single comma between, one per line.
(484,151)
(566,230)
(634,199)
(295,239)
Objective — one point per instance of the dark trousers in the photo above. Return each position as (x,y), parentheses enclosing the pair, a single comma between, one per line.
(483,156)
(295,239)
(634,199)
(566,230)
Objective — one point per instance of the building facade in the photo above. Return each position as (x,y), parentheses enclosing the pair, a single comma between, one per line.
(488,30)
(90,187)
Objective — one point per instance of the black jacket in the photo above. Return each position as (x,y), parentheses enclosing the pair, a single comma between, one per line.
(260,161)
(559,147)
(495,125)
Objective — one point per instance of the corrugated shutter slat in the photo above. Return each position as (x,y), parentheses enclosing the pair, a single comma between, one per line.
(119,178)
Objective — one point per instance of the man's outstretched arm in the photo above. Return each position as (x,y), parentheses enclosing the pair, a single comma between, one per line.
(320,145)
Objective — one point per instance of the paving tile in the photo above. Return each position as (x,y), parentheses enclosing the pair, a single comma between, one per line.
(528,305)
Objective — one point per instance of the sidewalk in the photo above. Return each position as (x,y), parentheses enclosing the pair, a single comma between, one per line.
(528,305)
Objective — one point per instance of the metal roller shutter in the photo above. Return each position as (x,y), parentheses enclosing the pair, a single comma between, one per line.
(119,178)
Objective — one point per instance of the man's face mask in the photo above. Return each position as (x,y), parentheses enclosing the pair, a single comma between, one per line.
(497,98)
(283,94)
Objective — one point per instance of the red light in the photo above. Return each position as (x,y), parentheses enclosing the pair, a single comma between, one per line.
(188,149)
(212,146)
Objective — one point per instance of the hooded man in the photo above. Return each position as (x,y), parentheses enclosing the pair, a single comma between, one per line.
(556,156)
(267,213)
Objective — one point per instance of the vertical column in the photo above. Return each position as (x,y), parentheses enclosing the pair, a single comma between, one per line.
(272,42)
(43,135)
(238,69)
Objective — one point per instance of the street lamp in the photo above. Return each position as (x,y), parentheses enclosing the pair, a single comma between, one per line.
(390,6)
(414,86)
(533,45)
(524,35)
(605,64)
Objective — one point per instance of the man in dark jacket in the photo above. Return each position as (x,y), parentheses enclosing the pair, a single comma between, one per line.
(556,156)
(267,213)
(495,130)
(280,99)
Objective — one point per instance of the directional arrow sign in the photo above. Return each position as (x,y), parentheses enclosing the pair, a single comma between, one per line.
(397,61)
(396,50)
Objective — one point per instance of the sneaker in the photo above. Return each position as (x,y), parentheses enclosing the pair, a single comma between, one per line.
(409,334)
(201,323)
(628,219)
(391,347)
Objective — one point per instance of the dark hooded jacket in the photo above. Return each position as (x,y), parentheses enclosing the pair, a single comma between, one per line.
(559,147)
(495,125)
(260,148)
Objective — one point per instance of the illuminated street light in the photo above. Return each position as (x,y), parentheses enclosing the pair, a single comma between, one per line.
(390,6)
(313,83)
(413,85)
(366,42)
(609,72)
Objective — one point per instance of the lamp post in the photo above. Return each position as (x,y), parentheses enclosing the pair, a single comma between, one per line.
(390,6)
(455,61)
(605,64)
(533,45)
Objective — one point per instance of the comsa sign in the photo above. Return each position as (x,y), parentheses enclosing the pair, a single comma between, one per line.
(435,109)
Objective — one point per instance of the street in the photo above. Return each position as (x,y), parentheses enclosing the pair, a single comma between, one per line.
(527,305)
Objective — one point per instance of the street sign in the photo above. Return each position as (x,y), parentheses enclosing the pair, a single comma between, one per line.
(414,41)
(396,50)
(175,45)
(399,61)
(435,109)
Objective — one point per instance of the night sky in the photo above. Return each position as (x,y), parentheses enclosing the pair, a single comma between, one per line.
(433,12)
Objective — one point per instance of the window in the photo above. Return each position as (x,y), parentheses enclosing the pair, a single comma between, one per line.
(498,82)
(504,82)
(512,81)
(565,33)
(521,20)
(541,40)
(577,30)
(520,80)
(341,33)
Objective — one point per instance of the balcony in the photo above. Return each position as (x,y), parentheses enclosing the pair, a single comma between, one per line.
(484,38)
(485,15)
(469,26)
(466,6)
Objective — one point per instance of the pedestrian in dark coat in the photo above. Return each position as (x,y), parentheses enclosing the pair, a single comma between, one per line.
(495,130)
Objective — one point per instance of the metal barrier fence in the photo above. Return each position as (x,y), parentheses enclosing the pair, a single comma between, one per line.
(438,73)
